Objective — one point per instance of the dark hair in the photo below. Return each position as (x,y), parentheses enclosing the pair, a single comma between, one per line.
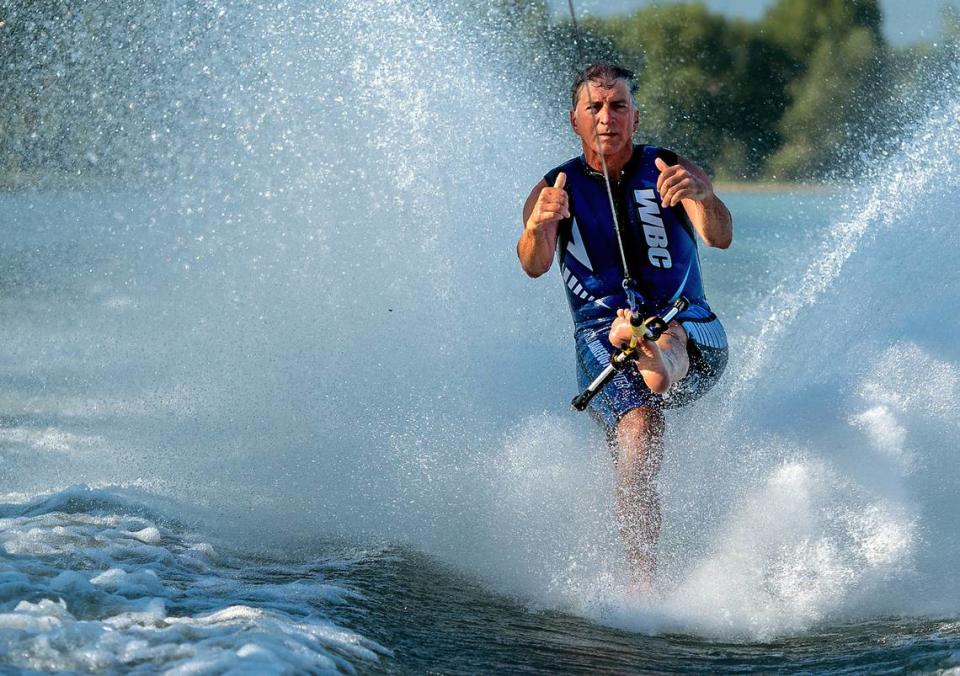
(601,72)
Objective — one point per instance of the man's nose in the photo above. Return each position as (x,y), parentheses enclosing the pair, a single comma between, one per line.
(603,115)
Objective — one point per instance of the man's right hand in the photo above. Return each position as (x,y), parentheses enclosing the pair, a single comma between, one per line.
(552,205)
(621,331)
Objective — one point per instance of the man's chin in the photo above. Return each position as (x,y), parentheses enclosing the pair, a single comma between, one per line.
(613,147)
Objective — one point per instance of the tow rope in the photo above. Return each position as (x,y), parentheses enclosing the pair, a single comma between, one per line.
(634,300)
(650,328)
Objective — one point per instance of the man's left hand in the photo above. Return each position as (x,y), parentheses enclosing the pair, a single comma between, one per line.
(680,182)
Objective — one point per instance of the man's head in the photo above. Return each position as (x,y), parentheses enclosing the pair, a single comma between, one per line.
(602,74)
(604,110)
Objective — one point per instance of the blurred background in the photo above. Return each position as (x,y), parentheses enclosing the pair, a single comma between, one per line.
(755,90)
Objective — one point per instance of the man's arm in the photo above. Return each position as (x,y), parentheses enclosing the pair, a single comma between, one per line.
(686,183)
(542,212)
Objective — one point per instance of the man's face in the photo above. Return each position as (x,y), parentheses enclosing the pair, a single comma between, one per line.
(611,105)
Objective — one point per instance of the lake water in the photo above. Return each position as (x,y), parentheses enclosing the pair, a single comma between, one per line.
(297,409)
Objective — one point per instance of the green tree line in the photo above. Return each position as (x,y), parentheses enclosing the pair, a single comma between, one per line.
(797,95)
(96,91)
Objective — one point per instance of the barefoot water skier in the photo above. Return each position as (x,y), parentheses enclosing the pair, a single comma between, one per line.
(627,248)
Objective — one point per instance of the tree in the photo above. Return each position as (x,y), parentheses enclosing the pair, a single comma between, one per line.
(834,62)
(800,26)
(679,54)
(756,87)
(831,105)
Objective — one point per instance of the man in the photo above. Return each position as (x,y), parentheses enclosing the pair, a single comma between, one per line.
(662,202)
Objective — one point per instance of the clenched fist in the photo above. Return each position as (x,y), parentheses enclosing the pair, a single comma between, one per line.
(552,205)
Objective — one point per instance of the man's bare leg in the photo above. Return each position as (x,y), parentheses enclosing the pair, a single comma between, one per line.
(639,454)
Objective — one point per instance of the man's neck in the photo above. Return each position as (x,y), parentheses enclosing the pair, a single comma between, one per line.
(615,163)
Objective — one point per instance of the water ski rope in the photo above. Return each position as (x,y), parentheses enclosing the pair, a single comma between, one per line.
(629,285)
(650,328)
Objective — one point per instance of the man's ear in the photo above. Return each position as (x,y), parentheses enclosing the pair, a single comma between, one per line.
(573,120)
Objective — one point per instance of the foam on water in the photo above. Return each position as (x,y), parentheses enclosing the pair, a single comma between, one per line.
(87,586)
(322,328)
(838,425)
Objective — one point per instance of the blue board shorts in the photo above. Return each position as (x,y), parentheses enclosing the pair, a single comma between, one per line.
(706,347)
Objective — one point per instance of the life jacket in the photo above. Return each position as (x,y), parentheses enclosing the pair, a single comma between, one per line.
(660,243)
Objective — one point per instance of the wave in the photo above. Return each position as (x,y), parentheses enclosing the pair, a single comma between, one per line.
(320,327)
(89,584)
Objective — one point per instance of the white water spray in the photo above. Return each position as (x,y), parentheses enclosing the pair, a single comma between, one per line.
(321,327)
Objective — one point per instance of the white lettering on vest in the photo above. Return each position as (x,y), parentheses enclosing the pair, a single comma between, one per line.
(653,230)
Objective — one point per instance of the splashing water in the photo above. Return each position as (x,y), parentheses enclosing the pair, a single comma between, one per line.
(923,169)
(838,420)
(313,323)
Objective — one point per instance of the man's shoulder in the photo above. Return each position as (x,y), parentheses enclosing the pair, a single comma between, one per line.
(574,164)
(651,151)
(665,154)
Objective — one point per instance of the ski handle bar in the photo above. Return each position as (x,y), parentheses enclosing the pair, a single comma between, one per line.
(650,328)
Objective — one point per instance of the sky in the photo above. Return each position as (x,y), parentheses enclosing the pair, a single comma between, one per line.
(905,21)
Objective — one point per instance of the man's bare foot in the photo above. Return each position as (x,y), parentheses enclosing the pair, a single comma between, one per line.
(650,360)
(653,367)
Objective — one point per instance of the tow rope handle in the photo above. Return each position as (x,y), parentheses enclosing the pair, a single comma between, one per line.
(650,328)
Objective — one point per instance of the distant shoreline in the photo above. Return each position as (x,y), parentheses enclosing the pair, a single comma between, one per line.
(29,183)
(770,186)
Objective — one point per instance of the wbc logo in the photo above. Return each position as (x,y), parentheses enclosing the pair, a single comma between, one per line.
(653,230)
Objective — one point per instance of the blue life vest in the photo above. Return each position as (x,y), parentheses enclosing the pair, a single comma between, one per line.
(660,243)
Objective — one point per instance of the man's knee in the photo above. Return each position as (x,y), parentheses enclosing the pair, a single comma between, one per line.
(679,334)
(643,422)
(638,440)
(673,345)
